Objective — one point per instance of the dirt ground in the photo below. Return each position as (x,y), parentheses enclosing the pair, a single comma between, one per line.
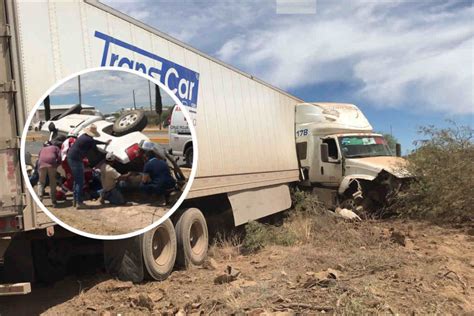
(109,219)
(372,267)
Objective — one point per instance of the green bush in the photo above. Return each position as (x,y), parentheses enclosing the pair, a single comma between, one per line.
(443,165)
(307,203)
(256,236)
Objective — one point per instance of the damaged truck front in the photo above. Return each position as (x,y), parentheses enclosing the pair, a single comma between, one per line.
(344,162)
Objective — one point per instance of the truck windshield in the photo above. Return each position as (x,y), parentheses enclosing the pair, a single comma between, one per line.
(364,146)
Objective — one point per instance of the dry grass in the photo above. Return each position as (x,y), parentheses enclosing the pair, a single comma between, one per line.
(226,247)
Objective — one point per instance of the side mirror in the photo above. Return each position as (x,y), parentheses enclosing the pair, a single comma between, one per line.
(398,150)
(324,152)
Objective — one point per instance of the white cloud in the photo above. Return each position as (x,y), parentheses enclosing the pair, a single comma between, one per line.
(405,54)
(402,59)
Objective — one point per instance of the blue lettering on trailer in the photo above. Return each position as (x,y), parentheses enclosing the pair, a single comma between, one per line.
(180,80)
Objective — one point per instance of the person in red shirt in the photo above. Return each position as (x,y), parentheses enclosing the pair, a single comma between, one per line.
(49,159)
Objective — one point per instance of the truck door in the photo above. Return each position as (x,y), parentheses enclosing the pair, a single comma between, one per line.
(330,172)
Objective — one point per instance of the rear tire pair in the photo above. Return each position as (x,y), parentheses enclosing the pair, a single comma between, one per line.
(186,244)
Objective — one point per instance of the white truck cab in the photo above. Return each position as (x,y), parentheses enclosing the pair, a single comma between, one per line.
(340,155)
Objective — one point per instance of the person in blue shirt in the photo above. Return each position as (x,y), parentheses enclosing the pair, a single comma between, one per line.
(156,177)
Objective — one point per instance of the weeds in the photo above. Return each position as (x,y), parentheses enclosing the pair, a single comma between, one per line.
(226,247)
(258,235)
(307,216)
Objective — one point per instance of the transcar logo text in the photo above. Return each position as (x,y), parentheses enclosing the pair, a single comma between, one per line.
(180,80)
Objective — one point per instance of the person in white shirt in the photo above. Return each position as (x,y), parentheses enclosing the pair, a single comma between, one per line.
(109,178)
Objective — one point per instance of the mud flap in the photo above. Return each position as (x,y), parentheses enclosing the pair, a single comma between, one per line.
(124,259)
(252,204)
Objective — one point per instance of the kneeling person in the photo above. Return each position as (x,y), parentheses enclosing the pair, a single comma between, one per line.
(156,178)
(109,178)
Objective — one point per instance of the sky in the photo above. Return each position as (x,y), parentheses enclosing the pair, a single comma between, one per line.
(108,91)
(404,63)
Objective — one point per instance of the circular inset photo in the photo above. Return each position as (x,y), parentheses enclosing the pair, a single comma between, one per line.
(96,153)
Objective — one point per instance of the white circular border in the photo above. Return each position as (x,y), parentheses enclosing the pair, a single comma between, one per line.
(108,237)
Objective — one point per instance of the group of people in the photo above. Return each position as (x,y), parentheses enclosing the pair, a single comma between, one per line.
(71,154)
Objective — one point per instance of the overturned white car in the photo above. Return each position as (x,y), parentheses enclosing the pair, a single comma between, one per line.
(124,134)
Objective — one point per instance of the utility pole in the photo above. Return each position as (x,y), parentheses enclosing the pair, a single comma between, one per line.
(158,104)
(79,85)
(134,104)
(149,94)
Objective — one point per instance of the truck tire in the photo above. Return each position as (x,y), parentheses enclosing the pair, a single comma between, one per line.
(159,251)
(132,121)
(49,261)
(192,237)
(188,156)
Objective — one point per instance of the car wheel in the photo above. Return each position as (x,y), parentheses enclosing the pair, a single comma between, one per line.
(192,237)
(159,251)
(188,156)
(132,121)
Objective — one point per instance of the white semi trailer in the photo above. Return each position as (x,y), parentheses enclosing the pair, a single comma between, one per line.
(245,130)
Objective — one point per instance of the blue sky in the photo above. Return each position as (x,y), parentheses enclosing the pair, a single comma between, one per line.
(108,91)
(404,63)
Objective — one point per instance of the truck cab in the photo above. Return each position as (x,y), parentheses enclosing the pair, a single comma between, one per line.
(340,156)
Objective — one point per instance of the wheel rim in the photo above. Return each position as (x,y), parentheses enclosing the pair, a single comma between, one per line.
(196,238)
(349,204)
(128,120)
(161,246)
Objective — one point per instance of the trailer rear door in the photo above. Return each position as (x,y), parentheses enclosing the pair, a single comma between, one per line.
(10,188)
(17,209)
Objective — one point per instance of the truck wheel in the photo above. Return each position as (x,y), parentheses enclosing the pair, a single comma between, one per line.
(132,121)
(192,237)
(49,260)
(159,251)
(363,208)
(188,156)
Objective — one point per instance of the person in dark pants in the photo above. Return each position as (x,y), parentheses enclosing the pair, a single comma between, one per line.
(156,175)
(76,154)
